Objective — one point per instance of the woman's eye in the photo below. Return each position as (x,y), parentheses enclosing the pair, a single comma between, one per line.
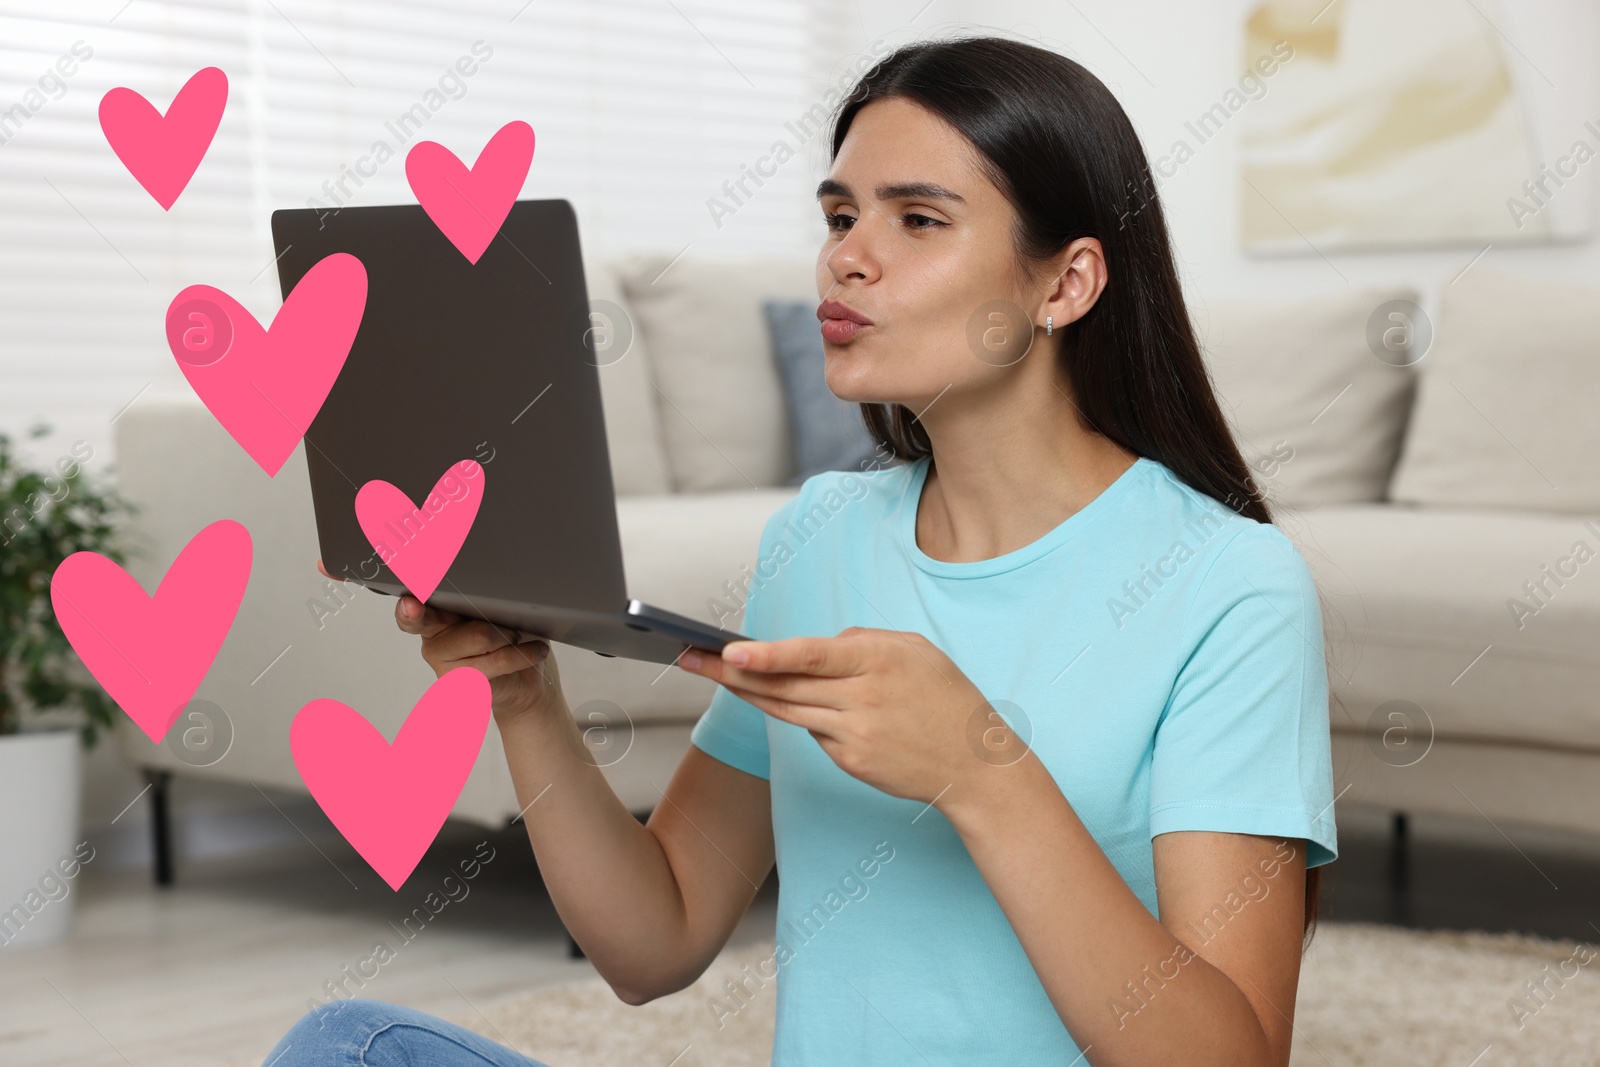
(921,222)
(837,221)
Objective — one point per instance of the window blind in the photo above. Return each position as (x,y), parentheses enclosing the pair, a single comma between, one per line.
(645,112)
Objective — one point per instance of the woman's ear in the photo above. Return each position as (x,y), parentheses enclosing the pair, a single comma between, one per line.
(1080,277)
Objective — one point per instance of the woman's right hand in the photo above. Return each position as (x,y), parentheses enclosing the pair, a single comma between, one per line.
(522,674)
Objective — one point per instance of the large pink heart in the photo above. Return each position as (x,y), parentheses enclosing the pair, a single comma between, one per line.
(162,151)
(265,386)
(420,543)
(468,206)
(151,653)
(389,801)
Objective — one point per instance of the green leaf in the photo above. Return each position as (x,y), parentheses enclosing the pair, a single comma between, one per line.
(44,518)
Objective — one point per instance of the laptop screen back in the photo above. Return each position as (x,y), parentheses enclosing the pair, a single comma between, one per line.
(453,361)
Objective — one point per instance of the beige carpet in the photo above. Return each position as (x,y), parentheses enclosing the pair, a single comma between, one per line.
(1370,996)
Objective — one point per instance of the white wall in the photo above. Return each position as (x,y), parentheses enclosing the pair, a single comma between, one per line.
(1169,60)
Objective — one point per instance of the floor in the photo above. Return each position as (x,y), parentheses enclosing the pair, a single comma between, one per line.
(242,944)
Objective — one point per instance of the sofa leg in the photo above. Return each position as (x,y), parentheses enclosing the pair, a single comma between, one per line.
(1400,870)
(160,823)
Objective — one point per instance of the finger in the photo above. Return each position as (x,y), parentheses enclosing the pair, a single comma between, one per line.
(415,617)
(324,571)
(810,689)
(835,657)
(822,721)
(509,658)
(468,638)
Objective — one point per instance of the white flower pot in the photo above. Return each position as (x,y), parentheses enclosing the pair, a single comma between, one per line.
(40,776)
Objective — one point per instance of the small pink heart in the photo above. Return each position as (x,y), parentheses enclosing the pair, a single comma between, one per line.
(468,206)
(162,151)
(265,386)
(151,653)
(389,801)
(420,543)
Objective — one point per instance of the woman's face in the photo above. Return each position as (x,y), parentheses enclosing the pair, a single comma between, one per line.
(919,241)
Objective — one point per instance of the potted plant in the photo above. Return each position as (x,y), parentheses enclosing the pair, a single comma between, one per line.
(45,516)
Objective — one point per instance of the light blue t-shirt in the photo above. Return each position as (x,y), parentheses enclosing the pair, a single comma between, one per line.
(1161,654)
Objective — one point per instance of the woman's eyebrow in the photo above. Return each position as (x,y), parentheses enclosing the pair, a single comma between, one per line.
(901,191)
(918,191)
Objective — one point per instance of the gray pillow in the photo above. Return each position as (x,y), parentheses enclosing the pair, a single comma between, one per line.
(827,433)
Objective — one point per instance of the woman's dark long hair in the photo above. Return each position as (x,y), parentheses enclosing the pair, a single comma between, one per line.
(1058,145)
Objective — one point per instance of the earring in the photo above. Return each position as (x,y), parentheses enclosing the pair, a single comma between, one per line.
(1049,325)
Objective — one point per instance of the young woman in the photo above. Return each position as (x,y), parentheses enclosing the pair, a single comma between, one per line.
(1036,722)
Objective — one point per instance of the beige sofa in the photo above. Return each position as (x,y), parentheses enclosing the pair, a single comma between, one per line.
(1422,496)
(699,446)
(1429,499)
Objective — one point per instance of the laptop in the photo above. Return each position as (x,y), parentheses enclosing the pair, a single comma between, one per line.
(495,362)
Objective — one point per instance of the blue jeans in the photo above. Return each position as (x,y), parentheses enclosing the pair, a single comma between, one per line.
(374,1033)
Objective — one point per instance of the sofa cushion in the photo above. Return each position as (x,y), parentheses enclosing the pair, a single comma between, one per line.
(1431,606)
(627,391)
(692,553)
(722,411)
(1505,416)
(331,639)
(1316,414)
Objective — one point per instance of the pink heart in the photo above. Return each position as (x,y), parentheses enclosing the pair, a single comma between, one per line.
(420,543)
(162,151)
(389,801)
(151,653)
(265,386)
(468,206)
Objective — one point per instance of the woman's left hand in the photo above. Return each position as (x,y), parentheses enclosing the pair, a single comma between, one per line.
(887,706)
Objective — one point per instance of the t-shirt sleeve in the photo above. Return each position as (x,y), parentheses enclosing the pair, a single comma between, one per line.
(734,730)
(1243,744)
